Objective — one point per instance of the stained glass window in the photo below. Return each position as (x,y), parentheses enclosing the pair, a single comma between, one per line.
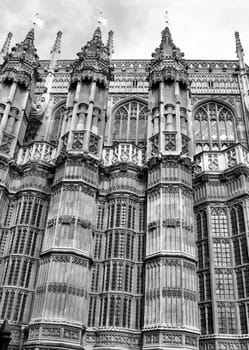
(222,319)
(240,284)
(237,219)
(239,236)
(201,225)
(213,127)
(130,121)
(224,284)
(57,123)
(222,253)
(226,318)
(243,319)
(219,222)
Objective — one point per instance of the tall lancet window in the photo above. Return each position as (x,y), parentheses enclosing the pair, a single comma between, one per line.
(214,127)
(129,122)
(57,123)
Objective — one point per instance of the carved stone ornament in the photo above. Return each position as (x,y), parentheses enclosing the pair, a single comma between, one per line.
(6,144)
(170,142)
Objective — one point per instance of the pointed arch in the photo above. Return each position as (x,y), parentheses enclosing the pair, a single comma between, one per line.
(214,125)
(129,120)
(56,122)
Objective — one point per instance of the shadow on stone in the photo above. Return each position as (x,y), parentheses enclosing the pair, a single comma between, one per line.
(5,335)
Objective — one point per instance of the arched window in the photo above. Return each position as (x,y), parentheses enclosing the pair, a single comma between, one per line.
(214,127)
(219,222)
(201,225)
(237,220)
(130,121)
(57,123)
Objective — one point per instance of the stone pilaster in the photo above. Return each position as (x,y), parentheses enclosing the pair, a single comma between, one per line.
(171,314)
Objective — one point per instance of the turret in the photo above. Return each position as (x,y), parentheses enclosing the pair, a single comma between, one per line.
(68,255)
(19,74)
(87,99)
(170,261)
(169,128)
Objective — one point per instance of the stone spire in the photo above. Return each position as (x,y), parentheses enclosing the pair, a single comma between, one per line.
(97,36)
(243,70)
(56,50)
(44,103)
(29,39)
(22,62)
(167,48)
(57,44)
(6,45)
(94,60)
(239,50)
(110,43)
(94,48)
(168,59)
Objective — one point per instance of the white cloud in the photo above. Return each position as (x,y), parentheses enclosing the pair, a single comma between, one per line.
(201,29)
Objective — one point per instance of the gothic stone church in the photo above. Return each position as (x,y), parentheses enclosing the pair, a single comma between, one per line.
(124,199)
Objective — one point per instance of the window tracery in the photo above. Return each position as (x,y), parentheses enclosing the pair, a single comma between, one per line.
(214,127)
(130,122)
(57,124)
(219,223)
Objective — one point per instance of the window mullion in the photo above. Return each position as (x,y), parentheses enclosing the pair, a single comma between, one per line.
(128,121)
(137,122)
(209,128)
(218,125)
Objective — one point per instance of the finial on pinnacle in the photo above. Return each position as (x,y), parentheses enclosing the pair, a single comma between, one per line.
(166,17)
(101,19)
(29,39)
(37,21)
(238,42)
(57,43)
(6,45)
(110,43)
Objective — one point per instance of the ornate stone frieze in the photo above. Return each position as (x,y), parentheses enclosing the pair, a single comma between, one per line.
(112,338)
(66,288)
(71,187)
(172,338)
(55,331)
(171,222)
(61,258)
(124,152)
(79,261)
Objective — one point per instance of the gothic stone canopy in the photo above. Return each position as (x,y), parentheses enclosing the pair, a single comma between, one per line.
(21,64)
(94,60)
(167,62)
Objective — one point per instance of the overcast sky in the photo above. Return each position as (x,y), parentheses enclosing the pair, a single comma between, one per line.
(202,29)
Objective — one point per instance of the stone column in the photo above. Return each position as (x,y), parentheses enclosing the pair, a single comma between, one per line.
(89,115)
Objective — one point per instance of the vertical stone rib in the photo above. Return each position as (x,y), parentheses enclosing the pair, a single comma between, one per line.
(173,291)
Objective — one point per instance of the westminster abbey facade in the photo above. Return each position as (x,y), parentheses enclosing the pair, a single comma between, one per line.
(124,206)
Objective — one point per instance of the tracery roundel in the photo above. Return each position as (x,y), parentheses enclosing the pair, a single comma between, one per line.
(130,120)
(214,127)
